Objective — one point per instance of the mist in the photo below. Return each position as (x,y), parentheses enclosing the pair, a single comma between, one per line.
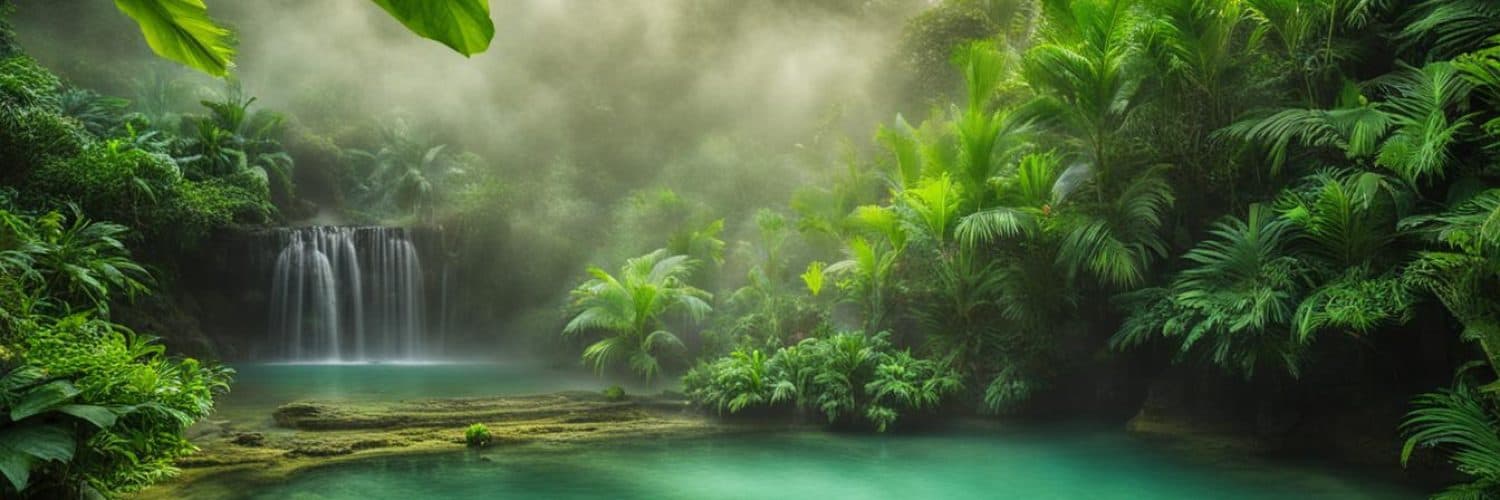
(585,111)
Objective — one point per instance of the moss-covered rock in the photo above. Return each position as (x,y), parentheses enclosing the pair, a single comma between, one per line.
(310,434)
(563,407)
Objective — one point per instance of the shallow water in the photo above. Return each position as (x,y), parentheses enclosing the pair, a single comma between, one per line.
(985,460)
(260,387)
(1054,463)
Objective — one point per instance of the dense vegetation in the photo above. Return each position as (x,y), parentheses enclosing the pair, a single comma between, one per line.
(1254,188)
(1243,180)
(89,407)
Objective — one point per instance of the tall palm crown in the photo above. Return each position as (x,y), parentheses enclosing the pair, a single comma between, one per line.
(630,307)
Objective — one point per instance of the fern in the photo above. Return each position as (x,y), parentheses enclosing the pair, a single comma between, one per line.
(1462,422)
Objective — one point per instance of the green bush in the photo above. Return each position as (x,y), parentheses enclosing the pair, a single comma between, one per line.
(30,137)
(87,407)
(849,377)
(44,423)
(112,367)
(24,83)
(146,190)
(614,393)
(210,204)
(477,436)
(108,182)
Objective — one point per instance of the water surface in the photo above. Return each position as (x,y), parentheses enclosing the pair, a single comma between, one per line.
(260,387)
(969,460)
(1070,462)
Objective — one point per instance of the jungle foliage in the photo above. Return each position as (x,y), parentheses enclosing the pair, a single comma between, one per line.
(1243,180)
(1235,184)
(87,407)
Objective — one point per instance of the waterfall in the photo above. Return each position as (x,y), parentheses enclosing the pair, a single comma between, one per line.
(348,294)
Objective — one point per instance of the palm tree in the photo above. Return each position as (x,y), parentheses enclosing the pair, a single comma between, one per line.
(1347,221)
(766,310)
(1463,422)
(973,143)
(1200,45)
(1424,128)
(866,273)
(702,244)
(100,115)
(405,172)
(629,309)
(963,310)
(1442,29)
(1116,242)
(232,141)
(232,138)
(1411,132)
(1204,53)
(1482,69)
(1353,126)
(935,201)
(1235,304)
(1085,79)
(1309,34)
(1464,270)
(1347,218)
(1113,242)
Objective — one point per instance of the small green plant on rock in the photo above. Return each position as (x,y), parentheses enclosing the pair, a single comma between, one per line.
(614,393)
(477,436)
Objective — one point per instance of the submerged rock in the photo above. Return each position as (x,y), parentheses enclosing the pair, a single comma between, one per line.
(249,439)
(568,407)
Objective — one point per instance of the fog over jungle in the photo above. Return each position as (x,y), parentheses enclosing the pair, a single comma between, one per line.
(579,106)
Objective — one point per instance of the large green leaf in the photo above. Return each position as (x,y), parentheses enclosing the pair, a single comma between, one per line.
(21,446)
(181,30)
(16,467)
(463,25)
(100,416)
(43,398)
(20,378)
(45,442)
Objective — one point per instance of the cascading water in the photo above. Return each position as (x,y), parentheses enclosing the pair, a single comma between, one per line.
(348,294)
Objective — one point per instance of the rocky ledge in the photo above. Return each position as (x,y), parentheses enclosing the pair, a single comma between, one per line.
(309,434)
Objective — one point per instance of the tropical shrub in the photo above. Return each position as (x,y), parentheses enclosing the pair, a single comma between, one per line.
(143,189)
(56,162)
(477,436)
(108,182)
(41,424)
(95,407)
(100,115)
(614,393)
(629,308)
(32,136)
(1234,305)
(24,83)
(848,377)
(156,399)
(1462,423)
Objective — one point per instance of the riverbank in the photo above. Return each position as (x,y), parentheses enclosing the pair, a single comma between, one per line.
(310,434)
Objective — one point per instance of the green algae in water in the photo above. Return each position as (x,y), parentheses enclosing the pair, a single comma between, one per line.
(1053,463)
